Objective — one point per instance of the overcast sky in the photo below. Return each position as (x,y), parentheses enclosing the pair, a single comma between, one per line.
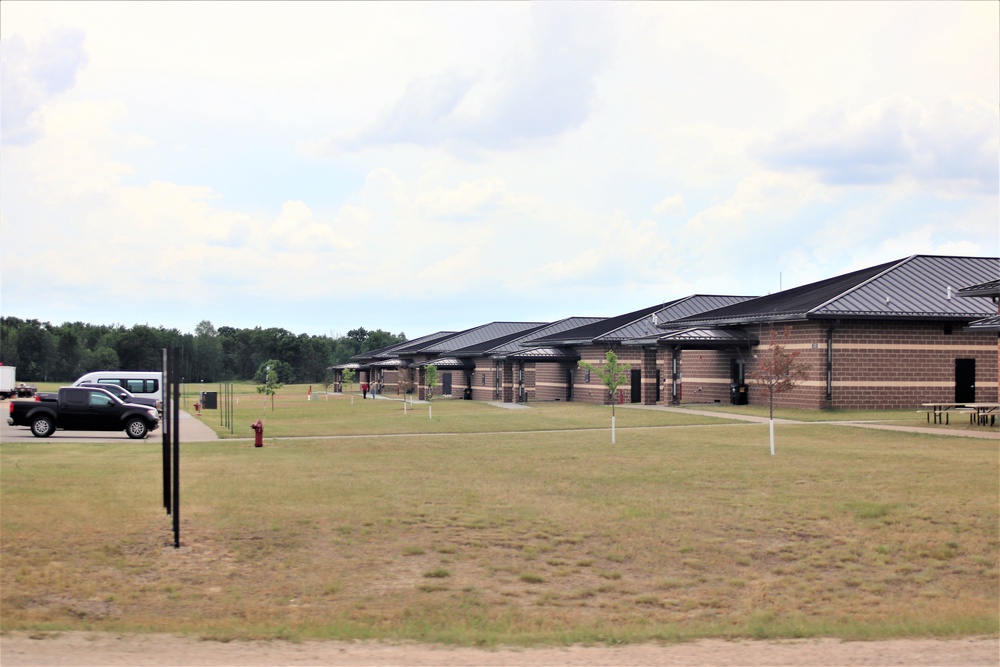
(416,167)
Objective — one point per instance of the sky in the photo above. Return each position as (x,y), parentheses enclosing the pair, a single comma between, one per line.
(417,167)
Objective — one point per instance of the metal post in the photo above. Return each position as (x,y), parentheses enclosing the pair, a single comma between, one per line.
(177,455)
(165,428)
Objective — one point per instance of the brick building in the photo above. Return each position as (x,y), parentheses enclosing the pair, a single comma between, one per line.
(889,336)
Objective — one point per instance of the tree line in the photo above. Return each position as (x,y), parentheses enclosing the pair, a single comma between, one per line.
(43,352)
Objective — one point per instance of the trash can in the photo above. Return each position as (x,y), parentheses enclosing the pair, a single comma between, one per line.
(210,400)
(467,394)
(742,395)
(734,393)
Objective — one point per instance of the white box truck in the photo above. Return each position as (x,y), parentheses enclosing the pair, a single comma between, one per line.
(9,388)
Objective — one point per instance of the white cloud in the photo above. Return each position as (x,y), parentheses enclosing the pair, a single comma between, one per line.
(951,145)
(33,74)
(488,160)
(671,205)
(545,89)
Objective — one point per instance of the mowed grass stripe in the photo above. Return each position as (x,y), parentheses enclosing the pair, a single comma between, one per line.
(544,537)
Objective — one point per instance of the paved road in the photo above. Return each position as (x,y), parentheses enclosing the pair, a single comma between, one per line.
(192,429)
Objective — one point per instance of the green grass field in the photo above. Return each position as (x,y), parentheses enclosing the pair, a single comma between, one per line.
(489,526)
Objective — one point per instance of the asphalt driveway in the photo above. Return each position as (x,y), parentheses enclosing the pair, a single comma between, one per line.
(192,429)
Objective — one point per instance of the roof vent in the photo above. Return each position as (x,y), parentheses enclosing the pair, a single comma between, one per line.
(656,320)
(949,293)
(887,300)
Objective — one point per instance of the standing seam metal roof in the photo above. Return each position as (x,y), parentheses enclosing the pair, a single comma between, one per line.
(644,329)
(516,345)
(477,336)
(914,287)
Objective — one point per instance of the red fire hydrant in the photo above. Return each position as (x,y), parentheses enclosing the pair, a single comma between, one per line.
(258,430)
(197,409)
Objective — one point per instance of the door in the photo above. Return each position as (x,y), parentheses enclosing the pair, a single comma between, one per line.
(657,385)
(446,384)
(965,380)
(569,384)
(636,385)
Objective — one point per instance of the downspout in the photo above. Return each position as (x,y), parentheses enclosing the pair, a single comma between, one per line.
(829,364)
(675,375)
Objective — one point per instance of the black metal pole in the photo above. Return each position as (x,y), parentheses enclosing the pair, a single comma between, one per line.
(177,456)
(165,427)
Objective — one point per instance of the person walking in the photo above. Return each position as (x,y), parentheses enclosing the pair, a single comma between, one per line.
(364,390)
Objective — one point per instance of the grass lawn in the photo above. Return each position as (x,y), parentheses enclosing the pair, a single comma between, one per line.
(507,526)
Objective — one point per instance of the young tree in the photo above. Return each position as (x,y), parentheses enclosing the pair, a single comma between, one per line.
(348,377)
(777,371)
(271,385)
(326,382)
(613,375)
(431,375)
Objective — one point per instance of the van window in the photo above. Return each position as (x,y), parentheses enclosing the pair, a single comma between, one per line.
(141,386)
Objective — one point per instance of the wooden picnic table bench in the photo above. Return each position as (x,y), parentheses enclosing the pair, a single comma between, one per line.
(983,413)
(939,410)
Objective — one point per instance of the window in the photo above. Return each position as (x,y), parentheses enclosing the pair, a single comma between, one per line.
(100,399)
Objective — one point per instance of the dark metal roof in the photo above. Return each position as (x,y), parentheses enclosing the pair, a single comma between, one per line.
(449,364)
(708,338)
(585,335)
(912,288)
(985,324)
(515,344)
(351,365)
(390,363)
(482,336)
(412,346)
(648,329)
(989,288)
(545,354)
(484,347)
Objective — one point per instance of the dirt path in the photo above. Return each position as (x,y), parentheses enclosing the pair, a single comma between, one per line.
(78,649)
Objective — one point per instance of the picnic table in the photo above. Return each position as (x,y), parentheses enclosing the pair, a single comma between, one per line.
(983,412)
(939,410)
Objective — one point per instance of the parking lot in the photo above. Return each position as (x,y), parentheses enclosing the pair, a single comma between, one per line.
(191,429)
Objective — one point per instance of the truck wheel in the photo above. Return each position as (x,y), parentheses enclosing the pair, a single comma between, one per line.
(42,427)
(136,429)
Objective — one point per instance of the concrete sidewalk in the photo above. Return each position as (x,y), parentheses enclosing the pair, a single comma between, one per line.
(989,433)
(193,430)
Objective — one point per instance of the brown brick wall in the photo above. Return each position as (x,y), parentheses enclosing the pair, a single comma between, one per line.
(876,364)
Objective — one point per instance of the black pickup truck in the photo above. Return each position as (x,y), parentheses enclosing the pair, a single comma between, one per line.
(83,409)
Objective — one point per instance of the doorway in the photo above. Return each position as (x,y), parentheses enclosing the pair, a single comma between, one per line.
(965,380)
(636,386)
(446,384)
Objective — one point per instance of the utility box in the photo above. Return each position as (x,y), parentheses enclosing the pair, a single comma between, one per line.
(210,400)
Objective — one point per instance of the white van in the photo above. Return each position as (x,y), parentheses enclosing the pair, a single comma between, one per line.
(148,384)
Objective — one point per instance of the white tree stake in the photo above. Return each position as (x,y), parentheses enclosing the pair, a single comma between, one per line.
(771,426)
